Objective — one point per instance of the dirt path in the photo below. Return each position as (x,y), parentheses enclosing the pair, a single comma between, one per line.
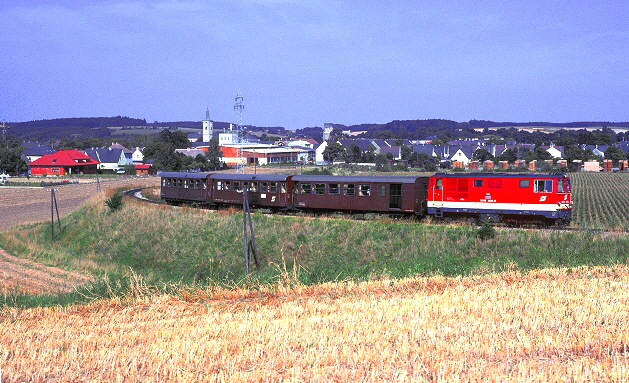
(30,205)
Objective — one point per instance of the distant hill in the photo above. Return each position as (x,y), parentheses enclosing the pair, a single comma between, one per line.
(100,127)
(44,130)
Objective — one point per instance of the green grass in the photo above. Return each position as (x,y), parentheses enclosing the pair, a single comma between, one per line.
(188,247)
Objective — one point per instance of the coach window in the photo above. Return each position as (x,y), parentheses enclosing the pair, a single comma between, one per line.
(478,183)
(364,190)
(237,185)
(283,187)
(180,183)
(349,189)
(273,187)
(264,187)
(306,188)
(525,184)
(204,184)
(227,185)
(543,186)
(320,189)
(382,191)
(254,186)
(335,189)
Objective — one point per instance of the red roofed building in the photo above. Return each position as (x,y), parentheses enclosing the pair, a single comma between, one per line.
(63,163)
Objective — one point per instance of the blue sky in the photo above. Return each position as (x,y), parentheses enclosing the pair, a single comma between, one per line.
(304,63)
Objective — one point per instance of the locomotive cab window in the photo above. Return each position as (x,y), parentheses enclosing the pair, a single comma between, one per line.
(349,189)
(320,189)
(335,189)
(543,186)
(439,185)
(364,190)
(524,184)
(559,186)
(478,183)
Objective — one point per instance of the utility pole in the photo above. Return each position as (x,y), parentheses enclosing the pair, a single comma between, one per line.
(4,131)
(239,107)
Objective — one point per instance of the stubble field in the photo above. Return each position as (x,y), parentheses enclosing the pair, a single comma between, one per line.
(546,325)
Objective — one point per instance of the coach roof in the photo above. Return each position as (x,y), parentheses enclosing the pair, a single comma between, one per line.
(356,179)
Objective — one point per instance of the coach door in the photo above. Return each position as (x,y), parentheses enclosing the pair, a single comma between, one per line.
(395,196)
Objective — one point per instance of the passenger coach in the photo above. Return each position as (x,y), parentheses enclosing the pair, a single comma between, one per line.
(393,195)
(265,190)
(513,198)
(180,187)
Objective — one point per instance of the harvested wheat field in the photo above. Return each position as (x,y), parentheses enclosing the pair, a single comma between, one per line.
(550,325)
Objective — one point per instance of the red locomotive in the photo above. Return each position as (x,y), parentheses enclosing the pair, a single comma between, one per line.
(512,198)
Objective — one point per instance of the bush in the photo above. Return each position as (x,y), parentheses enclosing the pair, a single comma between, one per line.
(115,201)
(486,230)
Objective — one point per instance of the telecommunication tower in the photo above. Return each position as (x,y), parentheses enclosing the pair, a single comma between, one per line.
(240,167)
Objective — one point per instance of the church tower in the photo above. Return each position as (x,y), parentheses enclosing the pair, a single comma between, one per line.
(208,127)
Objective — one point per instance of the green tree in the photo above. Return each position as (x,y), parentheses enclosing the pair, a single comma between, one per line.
(354,153)
(615,154)
(383,164)
(333,151)
(214,155)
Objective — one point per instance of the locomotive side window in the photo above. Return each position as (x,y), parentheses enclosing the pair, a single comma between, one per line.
(320,189)
(364,190)
(478,183)
(349,189)
(543,186)
(524,184)
(273,187)
(439,185)
(382,191)
(306,188)
(335,189)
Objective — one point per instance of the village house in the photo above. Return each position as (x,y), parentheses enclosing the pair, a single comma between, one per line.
(63,163)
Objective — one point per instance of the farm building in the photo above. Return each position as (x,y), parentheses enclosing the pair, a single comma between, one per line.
(63,163)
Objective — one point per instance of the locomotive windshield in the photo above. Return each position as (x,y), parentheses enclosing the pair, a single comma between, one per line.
(563,185)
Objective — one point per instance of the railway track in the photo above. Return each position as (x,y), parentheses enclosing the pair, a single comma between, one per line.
(137,194)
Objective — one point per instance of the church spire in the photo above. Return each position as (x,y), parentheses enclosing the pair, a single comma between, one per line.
(207,114)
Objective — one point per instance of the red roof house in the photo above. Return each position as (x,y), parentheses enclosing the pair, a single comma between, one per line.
(63,163)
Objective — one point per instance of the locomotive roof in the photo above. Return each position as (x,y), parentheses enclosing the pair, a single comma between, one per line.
(184,175)
(356,179)
(497,175)
(250,177)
